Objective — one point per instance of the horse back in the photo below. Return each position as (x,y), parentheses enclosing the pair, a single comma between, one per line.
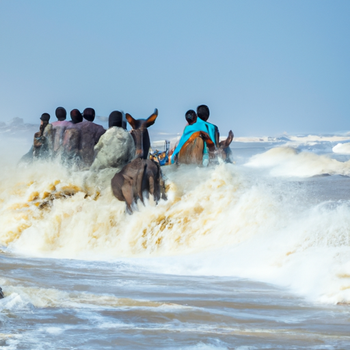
(192,151)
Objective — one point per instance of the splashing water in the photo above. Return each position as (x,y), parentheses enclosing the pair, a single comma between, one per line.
(187,268)
(231,220)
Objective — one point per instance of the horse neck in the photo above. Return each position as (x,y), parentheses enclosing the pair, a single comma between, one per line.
(142,142)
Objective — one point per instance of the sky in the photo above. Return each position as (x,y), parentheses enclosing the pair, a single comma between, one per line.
(263,67)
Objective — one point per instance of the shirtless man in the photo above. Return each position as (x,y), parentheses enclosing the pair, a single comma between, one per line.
(54,133)
(61,115)
(71,141)
(90,135)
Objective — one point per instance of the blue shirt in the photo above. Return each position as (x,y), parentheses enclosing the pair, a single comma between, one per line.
(199,125)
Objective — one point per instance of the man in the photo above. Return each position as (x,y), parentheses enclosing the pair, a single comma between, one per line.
(90,135)
(203,113)
(76,116)
(40,147)
(54,132)
(197,128)
(191,117)
(71,141)
(116,146)
(40,144)
(89,114)
(61,115)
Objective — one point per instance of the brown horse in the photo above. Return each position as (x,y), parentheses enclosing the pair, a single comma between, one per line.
(136,178)
(224,151)
(141,175)
(140,134)
(192,151)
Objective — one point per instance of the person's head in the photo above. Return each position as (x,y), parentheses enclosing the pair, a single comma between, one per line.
(191,116)
(44,120)
(115,119)
(89,114)
(76,116)
(203,112)
(61,113)
(45,117)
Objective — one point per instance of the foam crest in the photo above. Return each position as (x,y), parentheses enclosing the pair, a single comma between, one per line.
(216,221)
(61,214)
(288,162)
(342,148)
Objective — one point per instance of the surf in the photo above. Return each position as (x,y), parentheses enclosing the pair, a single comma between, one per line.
(227,220)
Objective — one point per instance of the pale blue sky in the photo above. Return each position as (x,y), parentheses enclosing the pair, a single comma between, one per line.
(262,67)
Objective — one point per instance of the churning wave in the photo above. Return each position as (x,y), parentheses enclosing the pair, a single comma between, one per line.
(224,220)
(250,221)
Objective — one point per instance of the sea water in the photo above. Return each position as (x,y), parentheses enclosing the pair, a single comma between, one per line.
(250,255)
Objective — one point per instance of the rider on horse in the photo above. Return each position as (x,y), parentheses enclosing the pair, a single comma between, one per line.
(198,127)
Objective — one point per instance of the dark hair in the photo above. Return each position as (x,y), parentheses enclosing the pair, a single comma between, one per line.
(89,114)
(191,116)
(45,117)
(203,112)
(61,113)
(115,119)
(76,116)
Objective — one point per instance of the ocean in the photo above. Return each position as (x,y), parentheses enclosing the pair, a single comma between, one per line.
(250,255)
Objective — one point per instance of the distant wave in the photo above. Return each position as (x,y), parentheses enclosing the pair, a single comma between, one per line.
(295,139)
(289,162)
(342,148)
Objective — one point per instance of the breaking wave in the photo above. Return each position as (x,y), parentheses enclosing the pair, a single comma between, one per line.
(290,162)
(342,148)
(224,220)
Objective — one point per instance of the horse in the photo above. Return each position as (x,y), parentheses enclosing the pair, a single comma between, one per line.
(140,134)
(137,177)
(141,175)
(192,151)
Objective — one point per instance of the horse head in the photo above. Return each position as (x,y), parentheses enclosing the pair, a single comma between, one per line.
(140,134)
(224,151)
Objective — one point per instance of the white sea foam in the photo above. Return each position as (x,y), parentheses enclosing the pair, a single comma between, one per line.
(293,139)
(216,221)
(13,302)
(238,226)
(289,162)
(342,148)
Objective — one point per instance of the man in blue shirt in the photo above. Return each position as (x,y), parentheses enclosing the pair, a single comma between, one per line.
(198,127)
(203,113)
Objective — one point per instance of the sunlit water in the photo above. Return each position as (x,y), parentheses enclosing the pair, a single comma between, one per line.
(254,255)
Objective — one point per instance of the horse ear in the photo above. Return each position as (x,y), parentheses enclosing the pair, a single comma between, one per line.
(150,121)
(131,120)
(229,139)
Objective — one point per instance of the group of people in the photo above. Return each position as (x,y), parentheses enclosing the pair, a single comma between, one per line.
(198,125)
(80,142)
